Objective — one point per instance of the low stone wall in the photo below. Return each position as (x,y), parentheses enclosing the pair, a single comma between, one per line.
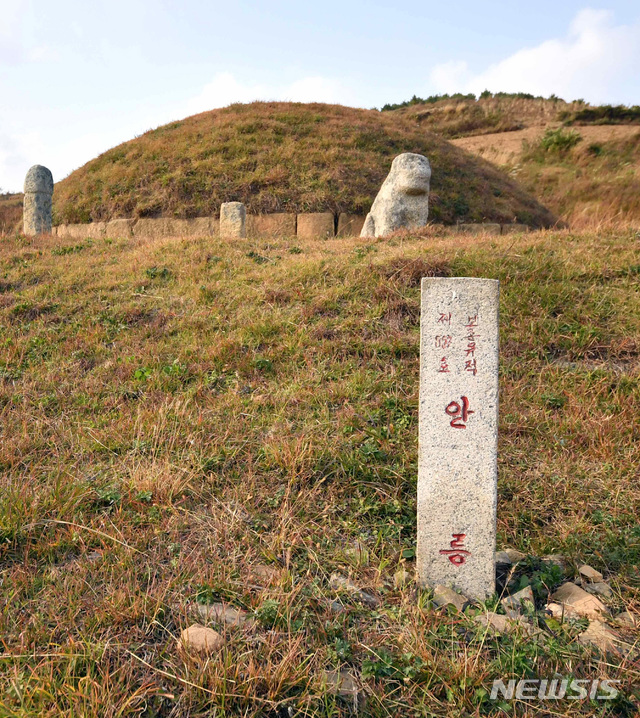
(311,225)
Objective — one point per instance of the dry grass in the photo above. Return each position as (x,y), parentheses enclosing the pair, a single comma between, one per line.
(10,213)
(173,413)
(287,157)
(468,118)
(593,185)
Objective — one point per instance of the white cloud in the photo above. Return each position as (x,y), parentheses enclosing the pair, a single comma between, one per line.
(225,89)
(596,60)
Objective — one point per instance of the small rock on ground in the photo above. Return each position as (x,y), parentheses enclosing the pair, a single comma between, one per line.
(517,603)
(626,619)
(559,611)
(581,602)
(201,640)
(603,638)
(445,596)
(590,574)
(514,555)
(503,557)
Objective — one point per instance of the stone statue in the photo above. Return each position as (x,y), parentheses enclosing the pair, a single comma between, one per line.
(403,199)
(38,189)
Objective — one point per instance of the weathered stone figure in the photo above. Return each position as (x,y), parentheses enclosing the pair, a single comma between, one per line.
(403,199)
(38,189)
(233,218)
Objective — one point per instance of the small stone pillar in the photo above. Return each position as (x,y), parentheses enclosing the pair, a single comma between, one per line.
(233,220)
(458,434)
(38,189)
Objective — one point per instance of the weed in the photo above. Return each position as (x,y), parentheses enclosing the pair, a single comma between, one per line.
(559,140)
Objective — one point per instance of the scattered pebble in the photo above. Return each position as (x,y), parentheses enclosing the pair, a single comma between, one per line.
(517,603)
(626,619)
(558,611)
(342,583)
(590,574)
(503,557)
(603,638)
(581,602)
(514,555)
(445,596)
(201,640)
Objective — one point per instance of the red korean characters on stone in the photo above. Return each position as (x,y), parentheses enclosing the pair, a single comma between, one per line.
(459,412)
(457,553)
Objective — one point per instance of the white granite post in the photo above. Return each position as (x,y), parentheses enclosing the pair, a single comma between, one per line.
(458,434)
(38,189)
(233,219)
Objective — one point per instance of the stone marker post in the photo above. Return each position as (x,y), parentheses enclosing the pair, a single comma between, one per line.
(233,219)
(38,189)
(457,454)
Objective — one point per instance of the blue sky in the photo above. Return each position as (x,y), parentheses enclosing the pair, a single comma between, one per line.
(78,77)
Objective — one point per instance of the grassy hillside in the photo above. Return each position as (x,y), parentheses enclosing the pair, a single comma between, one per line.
(177,415)
(454,117)
(580,161)
(588,182)
(283,157)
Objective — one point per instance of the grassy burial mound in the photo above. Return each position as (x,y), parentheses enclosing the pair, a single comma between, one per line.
(284,157)
(189,422)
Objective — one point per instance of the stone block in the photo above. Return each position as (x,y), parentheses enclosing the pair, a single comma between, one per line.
(152,228)
(350,225)
(233,220)
(202,227)
(271,226)
(92,230)
(95,230)
(316,225)
(514,228)
(458,432)
(195,227)
(120,228)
